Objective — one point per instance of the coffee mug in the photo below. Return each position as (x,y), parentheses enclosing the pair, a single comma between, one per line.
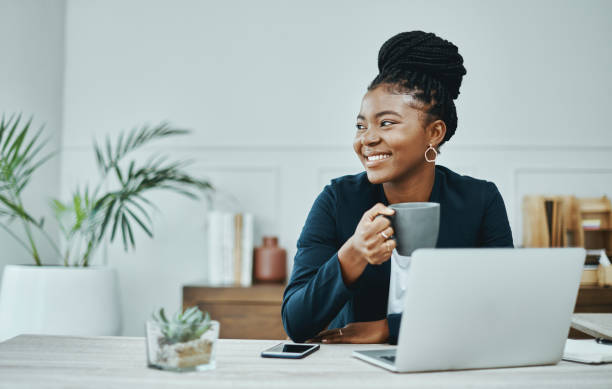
(415,225)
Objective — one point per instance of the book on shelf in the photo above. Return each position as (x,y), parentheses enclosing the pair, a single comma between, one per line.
(246,275)
(229,238)
(589,275)
(591,224)
(546,220)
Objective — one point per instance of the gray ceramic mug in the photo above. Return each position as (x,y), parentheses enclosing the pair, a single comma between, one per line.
(415,225)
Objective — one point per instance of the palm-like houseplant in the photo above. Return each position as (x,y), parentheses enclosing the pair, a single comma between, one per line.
(116,204)
(91,215)
(19,160)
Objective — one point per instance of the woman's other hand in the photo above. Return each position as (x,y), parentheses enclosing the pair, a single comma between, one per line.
(360,332)
(369,244)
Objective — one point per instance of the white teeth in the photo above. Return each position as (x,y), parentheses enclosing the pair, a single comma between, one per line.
(378,157)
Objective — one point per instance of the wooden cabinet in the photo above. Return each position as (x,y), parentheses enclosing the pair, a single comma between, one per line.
(244,313)
(594,299)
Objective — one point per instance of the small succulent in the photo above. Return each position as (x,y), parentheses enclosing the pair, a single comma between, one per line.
(183,327)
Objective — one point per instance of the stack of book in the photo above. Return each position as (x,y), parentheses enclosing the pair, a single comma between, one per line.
(230,248)
(546,220)
(567,221)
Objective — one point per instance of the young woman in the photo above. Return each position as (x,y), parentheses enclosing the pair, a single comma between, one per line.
(341,271)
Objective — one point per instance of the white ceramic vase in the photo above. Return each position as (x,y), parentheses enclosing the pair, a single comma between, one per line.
(59,300)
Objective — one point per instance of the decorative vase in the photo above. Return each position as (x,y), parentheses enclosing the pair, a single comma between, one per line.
(59,300)
(270,261)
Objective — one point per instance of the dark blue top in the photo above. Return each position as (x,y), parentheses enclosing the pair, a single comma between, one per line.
(472,214)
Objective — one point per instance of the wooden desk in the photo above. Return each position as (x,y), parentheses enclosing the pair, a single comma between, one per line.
(39,361)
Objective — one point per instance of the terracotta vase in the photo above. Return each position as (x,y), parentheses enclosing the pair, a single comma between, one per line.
(270,261)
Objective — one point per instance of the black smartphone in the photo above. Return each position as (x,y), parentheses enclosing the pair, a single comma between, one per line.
(289,350)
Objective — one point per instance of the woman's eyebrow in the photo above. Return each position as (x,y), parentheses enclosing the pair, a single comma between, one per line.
(382,113)
(379,114)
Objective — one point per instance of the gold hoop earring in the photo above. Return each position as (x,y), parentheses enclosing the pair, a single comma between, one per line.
(435,153)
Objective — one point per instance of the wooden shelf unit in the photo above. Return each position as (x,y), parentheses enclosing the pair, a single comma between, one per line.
(254,313)
(243,313)
(558,221)
(599,238)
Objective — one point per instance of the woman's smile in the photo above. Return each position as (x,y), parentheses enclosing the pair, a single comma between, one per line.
(375,160)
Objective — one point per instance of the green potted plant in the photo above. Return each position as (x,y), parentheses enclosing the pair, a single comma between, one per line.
(19,159)
(46,299)
(186,341)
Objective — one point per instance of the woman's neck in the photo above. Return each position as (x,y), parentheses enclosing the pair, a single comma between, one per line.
(414,187)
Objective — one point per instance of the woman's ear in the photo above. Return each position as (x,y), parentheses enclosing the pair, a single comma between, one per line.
(436,131)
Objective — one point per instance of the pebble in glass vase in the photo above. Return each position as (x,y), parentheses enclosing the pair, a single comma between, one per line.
(270,261)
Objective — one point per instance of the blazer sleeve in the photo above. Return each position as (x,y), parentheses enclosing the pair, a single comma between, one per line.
(494,228)
(316,291)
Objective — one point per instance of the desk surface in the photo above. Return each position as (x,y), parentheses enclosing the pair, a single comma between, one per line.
(119,362)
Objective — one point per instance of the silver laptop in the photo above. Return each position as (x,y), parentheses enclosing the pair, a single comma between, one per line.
(484,308)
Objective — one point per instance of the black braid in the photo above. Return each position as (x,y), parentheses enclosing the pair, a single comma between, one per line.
(426,66)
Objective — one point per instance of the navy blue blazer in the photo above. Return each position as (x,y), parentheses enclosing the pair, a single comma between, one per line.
(472,214)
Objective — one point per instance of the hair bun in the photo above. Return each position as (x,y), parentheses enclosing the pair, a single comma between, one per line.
(422,52)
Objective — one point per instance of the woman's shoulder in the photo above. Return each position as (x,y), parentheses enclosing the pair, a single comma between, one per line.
(466,189)
(464,182)
(475,214)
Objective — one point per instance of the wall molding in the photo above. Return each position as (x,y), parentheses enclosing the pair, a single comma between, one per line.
(327,147)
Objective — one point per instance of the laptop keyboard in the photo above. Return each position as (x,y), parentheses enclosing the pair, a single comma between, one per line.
(390,358)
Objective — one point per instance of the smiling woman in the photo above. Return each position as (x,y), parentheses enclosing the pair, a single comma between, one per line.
(341,272)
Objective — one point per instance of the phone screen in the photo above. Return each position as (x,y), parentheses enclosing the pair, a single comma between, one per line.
(289,350)
(295,348)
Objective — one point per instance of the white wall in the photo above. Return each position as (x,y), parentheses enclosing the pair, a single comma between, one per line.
(31,83)
(271,90)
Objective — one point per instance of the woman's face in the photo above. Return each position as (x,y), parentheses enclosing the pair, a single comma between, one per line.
(390,139)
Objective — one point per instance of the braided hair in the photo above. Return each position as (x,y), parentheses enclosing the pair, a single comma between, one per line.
(427,67)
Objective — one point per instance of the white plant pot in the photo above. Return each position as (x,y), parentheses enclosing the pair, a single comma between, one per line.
(59,300)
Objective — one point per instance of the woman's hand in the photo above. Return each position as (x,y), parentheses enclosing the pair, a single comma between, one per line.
(371,238)
(369,244)
(360,332)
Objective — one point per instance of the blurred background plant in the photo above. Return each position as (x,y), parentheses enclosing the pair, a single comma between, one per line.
(117,202)
(91,215)
(19,159)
